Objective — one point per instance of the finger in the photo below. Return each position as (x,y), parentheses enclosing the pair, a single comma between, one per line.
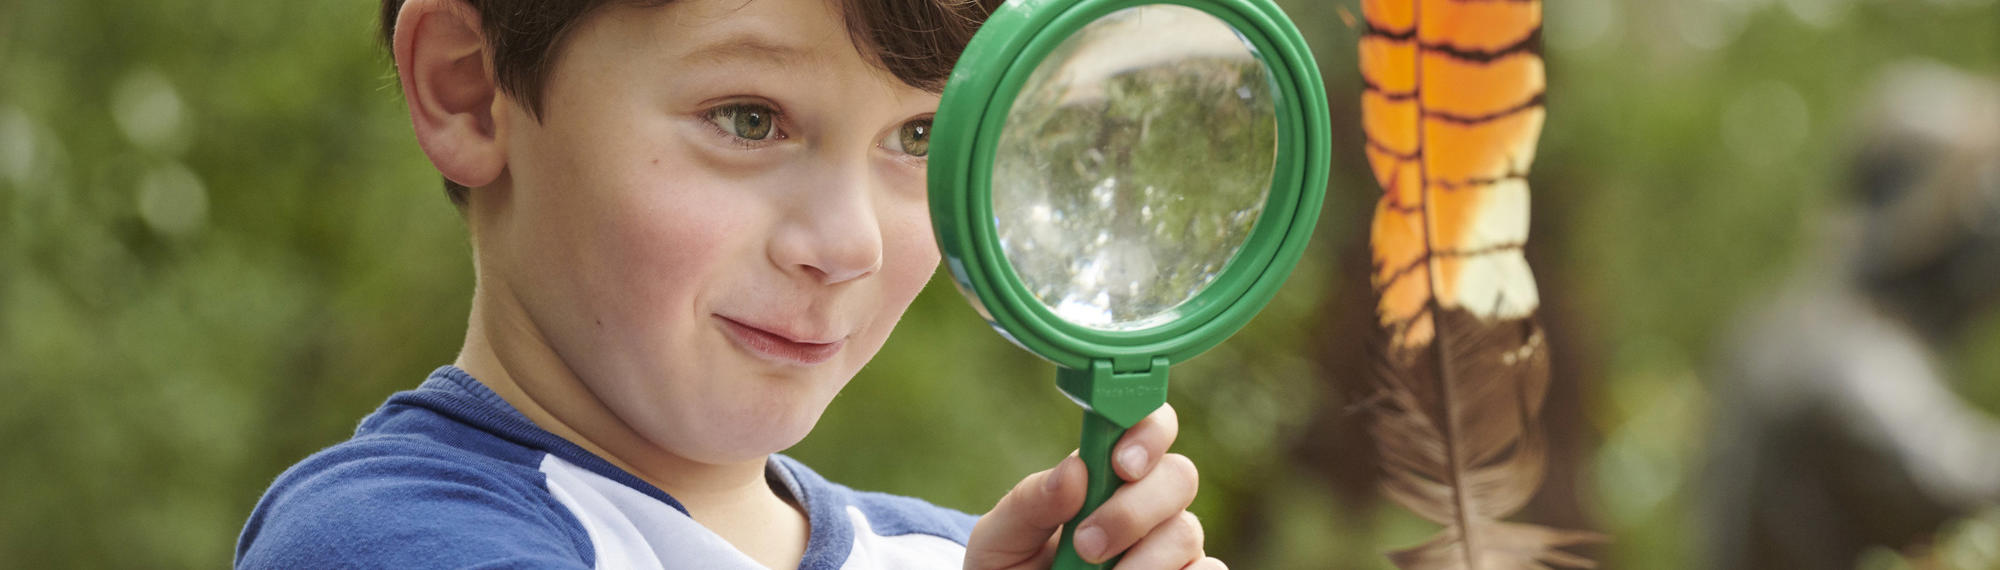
(1143,445)
(1022,523)
(1137,508)
(1207,564)
(1047,557)
(1174,544)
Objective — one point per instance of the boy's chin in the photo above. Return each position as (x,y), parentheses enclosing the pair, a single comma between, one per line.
(736,416)
(745,446)
(731,438)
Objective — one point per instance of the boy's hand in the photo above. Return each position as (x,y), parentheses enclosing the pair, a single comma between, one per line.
(1148,515)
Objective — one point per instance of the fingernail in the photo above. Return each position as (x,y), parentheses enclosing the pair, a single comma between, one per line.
(1090,543)
(1054,480)
(1133,459)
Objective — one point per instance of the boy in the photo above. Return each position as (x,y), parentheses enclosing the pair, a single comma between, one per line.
(692,223)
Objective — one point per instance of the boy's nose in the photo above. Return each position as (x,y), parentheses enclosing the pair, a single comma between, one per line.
(831,236)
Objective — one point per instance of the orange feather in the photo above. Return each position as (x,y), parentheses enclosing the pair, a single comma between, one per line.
(1452,107)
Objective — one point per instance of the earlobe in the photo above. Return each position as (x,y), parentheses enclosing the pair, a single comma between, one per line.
(448,84)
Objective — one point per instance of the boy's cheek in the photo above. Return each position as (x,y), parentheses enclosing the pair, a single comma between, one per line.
(668,251)
(916,243)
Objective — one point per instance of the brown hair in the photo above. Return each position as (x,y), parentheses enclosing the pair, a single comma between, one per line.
(915,40)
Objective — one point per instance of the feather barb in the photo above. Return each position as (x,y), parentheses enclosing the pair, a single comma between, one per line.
(1452,105)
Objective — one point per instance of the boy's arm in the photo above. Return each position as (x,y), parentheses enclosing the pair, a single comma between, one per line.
(407,512)
(1147,518)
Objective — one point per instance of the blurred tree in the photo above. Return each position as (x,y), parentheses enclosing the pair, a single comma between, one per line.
(219,249)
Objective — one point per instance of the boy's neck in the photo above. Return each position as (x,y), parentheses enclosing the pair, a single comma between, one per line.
(508,355)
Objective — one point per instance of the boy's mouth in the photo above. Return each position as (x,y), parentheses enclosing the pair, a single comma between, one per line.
(778,347)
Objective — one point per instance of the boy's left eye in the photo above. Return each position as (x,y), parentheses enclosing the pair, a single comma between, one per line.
(745,121)
(913,138)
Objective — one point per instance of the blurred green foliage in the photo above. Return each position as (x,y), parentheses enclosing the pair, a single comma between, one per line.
(1153,176)
(220,248)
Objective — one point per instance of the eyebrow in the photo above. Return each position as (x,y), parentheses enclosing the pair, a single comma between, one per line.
(750,48)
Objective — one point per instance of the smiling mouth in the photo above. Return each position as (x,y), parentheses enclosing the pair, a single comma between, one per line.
(779,348)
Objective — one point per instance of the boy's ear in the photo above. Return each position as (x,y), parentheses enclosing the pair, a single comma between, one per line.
(441,61)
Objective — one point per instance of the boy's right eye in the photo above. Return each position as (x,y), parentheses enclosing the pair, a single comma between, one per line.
(746,121)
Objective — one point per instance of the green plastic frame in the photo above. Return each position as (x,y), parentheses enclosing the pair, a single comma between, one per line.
(981,91)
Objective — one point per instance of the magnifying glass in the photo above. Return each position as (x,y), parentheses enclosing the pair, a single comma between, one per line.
(1119,185)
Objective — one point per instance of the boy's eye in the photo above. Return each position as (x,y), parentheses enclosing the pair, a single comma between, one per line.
(744,121)
(913,138)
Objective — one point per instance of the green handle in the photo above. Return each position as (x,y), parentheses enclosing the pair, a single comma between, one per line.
(1100,435)
(1112,401)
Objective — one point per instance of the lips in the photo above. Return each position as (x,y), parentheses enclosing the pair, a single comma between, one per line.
(777,346)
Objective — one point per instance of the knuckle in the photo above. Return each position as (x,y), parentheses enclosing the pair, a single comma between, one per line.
(1192,525)
(1021,488)
(1115,517)
(1180,466)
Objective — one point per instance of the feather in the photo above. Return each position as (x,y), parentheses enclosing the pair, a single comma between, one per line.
(1452,107)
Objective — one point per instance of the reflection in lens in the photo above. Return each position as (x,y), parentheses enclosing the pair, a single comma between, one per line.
(1134,163)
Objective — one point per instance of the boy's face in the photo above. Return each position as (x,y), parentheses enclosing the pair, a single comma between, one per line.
(717,220)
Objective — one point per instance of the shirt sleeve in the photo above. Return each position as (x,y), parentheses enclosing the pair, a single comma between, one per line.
(358,510)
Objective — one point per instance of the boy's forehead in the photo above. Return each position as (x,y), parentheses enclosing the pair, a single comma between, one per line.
(903,43)
(748,47)
(805,44)
(788,33)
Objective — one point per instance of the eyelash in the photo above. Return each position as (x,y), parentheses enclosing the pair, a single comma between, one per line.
(713,117)
(906,154)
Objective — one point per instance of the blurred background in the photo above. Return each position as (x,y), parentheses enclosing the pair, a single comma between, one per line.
(1767,234)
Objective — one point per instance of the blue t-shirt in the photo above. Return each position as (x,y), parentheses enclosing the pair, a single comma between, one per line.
(449,476)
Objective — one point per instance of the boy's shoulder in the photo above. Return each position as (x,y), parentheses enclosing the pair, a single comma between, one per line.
(449,475)
(379,503)
(414,487)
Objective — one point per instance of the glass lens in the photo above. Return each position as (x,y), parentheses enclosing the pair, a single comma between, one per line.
(1133,164)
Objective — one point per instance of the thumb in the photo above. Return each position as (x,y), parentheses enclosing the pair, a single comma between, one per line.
(1022,526)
